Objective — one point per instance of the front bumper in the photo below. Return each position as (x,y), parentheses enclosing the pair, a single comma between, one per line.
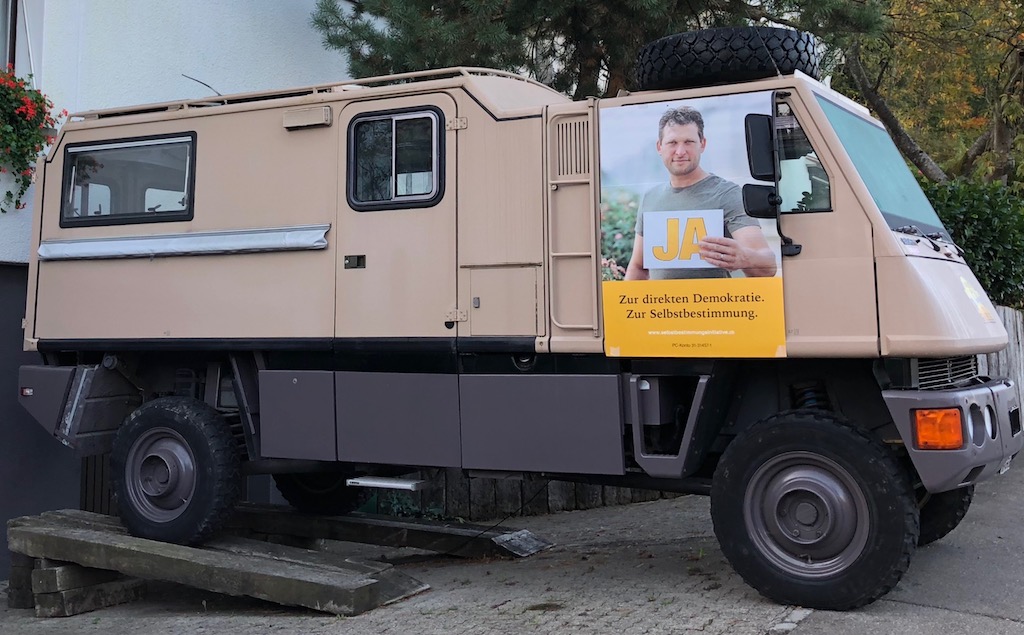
(988,448)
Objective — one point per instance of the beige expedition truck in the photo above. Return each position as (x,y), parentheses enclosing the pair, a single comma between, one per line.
(341,284)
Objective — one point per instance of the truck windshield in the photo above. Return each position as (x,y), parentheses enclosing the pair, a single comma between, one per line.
(885,173)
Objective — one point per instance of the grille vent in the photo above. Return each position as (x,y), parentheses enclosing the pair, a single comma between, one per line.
(946,372)
(573,145)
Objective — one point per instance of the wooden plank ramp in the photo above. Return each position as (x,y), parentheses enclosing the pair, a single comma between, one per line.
(231,565)
(450,538)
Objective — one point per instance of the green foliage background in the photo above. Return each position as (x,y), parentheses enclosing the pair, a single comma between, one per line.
(618,222)
(987,221)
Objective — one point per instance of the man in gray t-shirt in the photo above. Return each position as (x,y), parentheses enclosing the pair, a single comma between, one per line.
(680,143)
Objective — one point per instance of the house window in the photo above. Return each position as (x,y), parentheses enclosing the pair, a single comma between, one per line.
(395,160)
(7,31)
(143,180)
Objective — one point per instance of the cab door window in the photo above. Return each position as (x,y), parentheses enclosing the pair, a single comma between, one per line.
(803,183)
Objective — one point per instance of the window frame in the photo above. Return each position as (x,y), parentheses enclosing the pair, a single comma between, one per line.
(396,202)
(132,218)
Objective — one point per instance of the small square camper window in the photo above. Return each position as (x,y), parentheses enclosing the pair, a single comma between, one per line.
(394,161)
(129,181)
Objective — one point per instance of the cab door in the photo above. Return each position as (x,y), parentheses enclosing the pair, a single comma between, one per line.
(396,220)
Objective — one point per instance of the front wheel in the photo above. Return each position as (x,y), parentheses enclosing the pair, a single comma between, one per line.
(942,512)
(811,511)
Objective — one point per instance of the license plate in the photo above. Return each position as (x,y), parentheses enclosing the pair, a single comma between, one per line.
(1005,466)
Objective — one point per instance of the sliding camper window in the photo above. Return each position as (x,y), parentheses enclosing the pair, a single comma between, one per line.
(139,180)
(394,160)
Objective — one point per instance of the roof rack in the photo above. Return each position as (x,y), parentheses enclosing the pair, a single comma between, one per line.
(367,82)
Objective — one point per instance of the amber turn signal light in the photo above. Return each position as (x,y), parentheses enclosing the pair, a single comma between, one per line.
(938,429)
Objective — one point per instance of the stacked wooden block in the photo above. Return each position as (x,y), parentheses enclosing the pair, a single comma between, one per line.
(62,589)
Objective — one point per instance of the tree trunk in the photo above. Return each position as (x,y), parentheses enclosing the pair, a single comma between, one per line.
(913,152)
(966,163)
(1003,132)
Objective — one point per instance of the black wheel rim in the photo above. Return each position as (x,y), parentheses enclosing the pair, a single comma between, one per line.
(160,475)
(806,514)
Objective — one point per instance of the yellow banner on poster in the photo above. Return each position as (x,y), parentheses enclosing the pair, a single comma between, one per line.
(734,317)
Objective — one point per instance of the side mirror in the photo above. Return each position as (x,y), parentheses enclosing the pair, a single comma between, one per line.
(760,201)
(760,147)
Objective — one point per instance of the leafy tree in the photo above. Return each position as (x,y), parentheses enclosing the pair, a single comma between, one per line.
(945,77)
(579,47)
(949,74)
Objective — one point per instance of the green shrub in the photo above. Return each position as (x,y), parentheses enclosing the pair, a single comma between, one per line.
(987,221)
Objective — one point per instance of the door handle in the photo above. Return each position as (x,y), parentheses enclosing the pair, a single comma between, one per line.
(355,262)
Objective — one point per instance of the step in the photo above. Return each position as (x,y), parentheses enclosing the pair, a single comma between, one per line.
(386,482)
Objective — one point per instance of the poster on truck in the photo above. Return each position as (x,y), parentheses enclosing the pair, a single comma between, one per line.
(686,272)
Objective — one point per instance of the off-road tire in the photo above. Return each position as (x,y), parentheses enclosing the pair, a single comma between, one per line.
(175,471)
(814,512)
(942,512)
(321,492)
(730,54)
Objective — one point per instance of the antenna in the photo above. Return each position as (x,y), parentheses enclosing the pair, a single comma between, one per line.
(203,83)
(767,50)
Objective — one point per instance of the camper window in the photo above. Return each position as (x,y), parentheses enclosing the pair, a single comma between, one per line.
(394,160)
(138,180)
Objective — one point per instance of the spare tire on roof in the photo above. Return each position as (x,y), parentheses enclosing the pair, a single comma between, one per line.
(730,54)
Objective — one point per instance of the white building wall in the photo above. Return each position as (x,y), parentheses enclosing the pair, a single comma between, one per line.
(91,54)
(15,226)
(108,53)
(15,230)
(29,30)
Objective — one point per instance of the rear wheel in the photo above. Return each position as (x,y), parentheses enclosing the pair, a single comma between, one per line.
(175,470)
(321,492)
(814,512)
(942,512)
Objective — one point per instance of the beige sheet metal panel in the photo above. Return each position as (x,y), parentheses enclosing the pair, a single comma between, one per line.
(407,287)
(501,195)
(506,98)
(934,308)
(503,301)
(226,297)
(829,287)
(286,294)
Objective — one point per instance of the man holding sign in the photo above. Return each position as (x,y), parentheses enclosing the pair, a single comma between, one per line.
(696,225)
